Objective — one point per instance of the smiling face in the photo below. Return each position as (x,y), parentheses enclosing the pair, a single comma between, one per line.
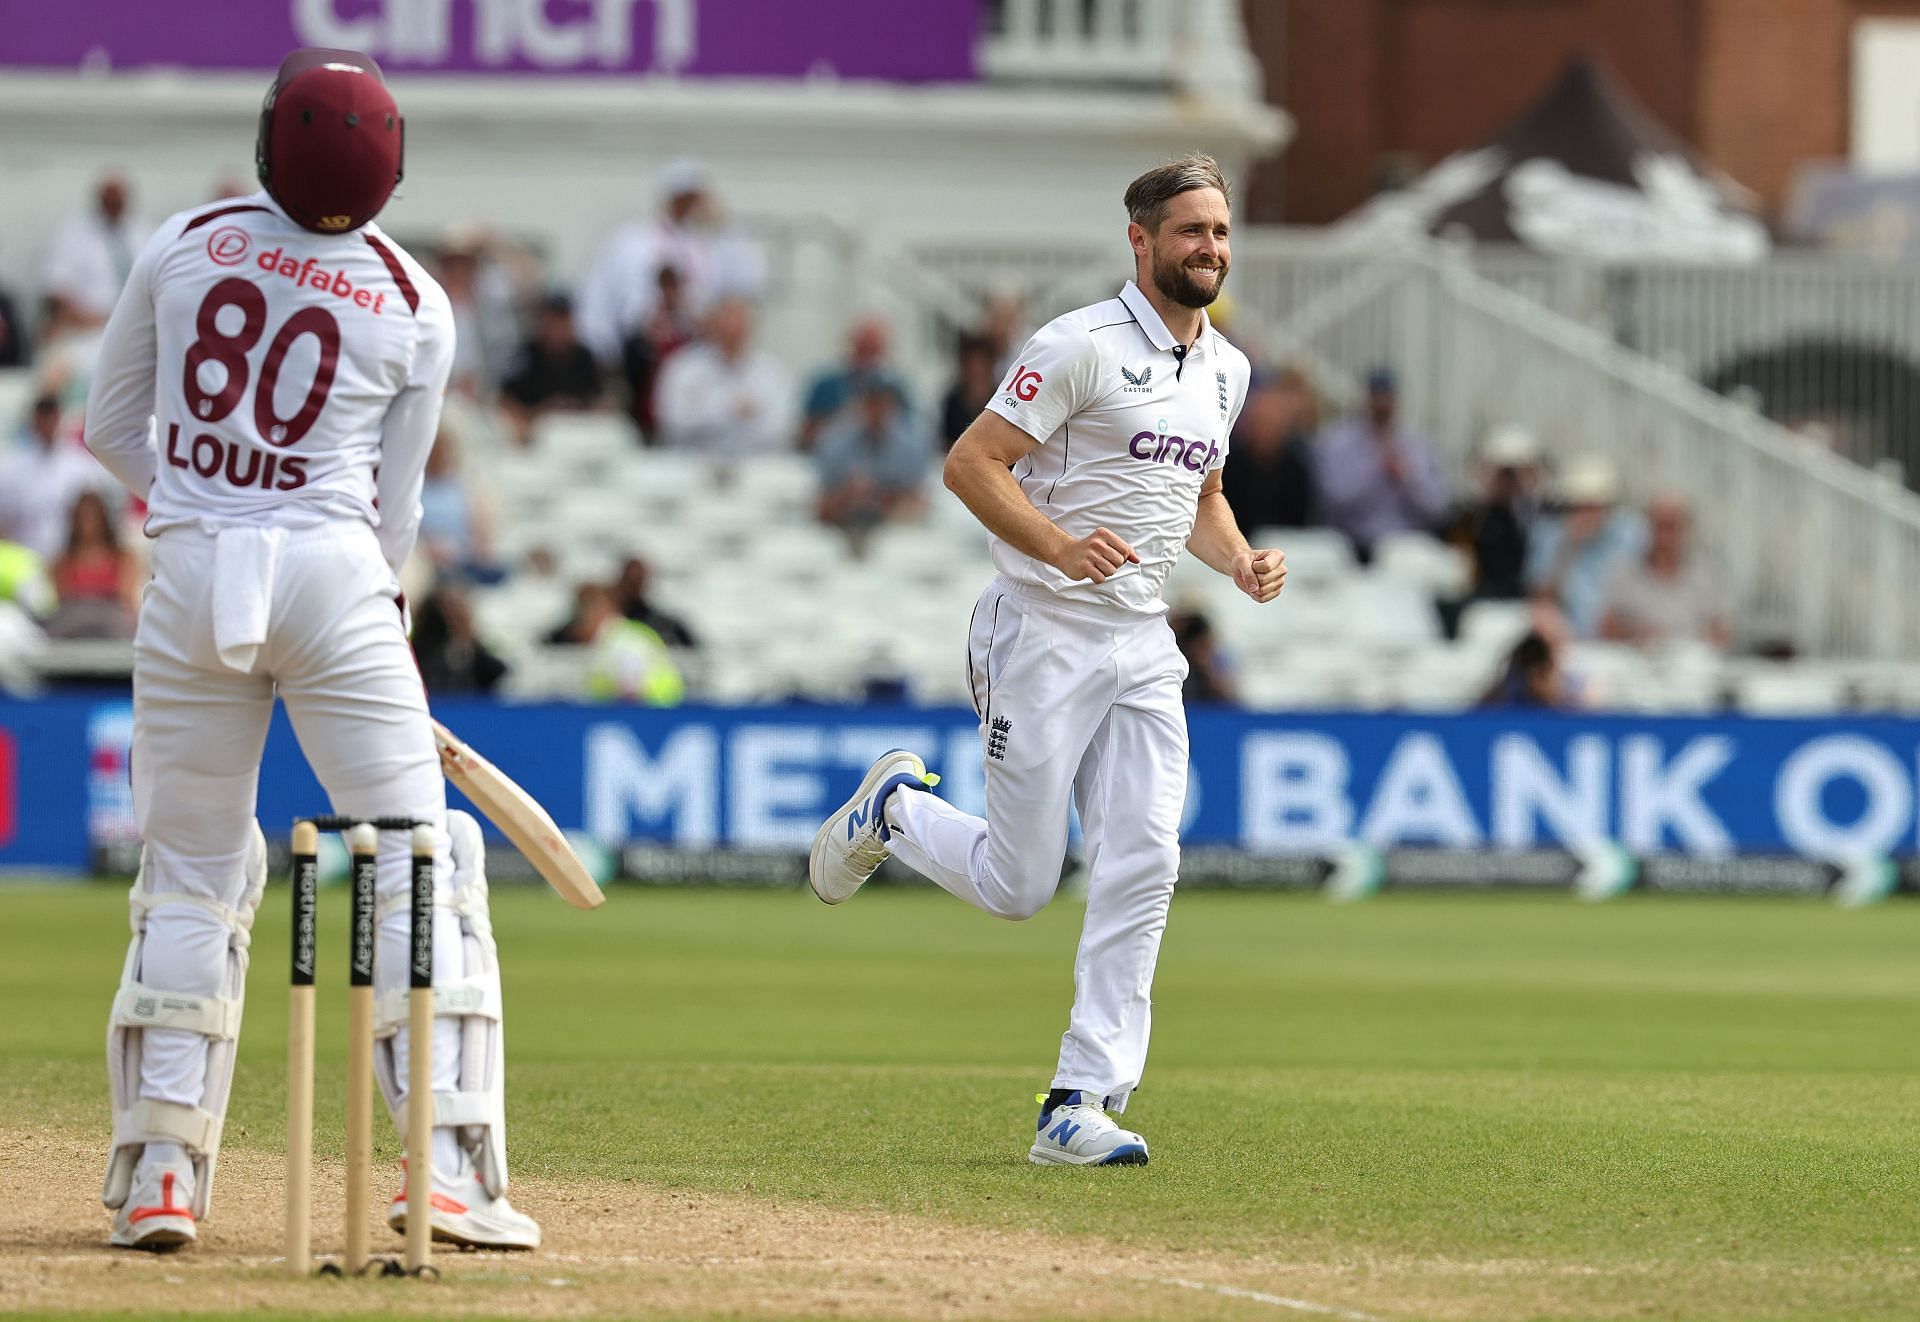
(1187,256)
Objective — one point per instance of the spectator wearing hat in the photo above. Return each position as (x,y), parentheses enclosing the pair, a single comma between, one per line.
(552,371)
(1668,595)
(1377,476)
(618,295)
(1495,527)
(833,390)
(1574,555)
(1269,475)
(723,396)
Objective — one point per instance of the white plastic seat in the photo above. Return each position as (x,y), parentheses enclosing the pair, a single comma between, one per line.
(1790,690)
(774,481)
(1441,680)
(1390,615)
(1495,627)
(1283,690)
(548,672)
(569,440)
(1424,562)
(1314,555)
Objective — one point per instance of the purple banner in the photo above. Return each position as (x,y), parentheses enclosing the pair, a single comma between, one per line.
(894,40)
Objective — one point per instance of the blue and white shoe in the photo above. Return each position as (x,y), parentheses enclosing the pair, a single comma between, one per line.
(852,844)
(1079,1132)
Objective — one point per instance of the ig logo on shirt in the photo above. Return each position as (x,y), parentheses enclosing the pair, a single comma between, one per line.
(1025,384)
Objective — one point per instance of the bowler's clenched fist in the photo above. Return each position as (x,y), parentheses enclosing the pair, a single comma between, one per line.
(1261,574)
(1096,556)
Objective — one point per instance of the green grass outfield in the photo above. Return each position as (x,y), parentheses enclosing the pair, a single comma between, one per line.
(1659,1107)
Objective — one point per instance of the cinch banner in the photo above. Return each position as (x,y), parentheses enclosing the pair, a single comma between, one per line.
(894,40)
(761,778)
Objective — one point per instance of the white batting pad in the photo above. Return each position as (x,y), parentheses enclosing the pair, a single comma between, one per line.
(140,1007)
(470,994)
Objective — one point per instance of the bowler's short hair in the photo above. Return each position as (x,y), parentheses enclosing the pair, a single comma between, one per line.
(1149,196)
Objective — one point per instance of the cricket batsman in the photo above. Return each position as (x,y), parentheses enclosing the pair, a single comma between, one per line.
(1096,462)
(270,384)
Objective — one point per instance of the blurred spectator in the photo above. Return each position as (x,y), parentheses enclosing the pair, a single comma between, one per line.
(41,479)
(630,663)
(96,580)
(15,349)
(666,328)
(1269,478)
(1376,476)
(617,296)
(485,321)
(1533,675)
(24,582)
(834,389)
(456,530)
(451,656)
(722,395)
(1573,556)
(1494,528)
(1668,595)
(975,377)
(872,462)
(88,261)
(1005,325)
(630,598)
(1209,674)
(553,371)
(572,631)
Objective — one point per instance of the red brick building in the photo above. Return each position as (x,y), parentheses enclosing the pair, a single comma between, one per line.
(1756,85)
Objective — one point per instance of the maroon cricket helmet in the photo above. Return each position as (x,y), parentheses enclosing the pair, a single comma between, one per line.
(332,144)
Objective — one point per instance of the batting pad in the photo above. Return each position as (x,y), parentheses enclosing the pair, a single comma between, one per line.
(472,995)
(139,1008)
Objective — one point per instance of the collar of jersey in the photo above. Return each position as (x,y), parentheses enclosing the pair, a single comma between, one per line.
(1150,322)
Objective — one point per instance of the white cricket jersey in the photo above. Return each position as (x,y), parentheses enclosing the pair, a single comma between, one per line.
(257,373)
(1129,427)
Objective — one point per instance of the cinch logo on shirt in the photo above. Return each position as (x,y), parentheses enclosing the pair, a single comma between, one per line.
(1155,448)
(313,277)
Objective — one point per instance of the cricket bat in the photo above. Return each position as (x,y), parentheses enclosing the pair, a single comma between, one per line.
(520,818)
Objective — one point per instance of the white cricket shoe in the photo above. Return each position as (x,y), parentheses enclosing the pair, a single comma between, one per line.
(852,844)
(158,1213)
(464,1213)
(1079,1132)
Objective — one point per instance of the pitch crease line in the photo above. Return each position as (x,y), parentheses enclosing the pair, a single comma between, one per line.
(1259,1297)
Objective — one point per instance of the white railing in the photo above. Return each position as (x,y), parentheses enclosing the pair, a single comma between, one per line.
(1815,549)
(1192,45)
(1822,338)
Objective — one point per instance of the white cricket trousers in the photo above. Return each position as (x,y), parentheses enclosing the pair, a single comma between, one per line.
(336,651)
(1075,708)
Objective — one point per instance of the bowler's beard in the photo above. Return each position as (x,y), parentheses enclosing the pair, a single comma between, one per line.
(1183,286)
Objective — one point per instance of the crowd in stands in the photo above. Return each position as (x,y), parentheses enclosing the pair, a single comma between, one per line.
(662,330)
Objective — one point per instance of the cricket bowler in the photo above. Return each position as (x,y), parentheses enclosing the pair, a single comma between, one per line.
(1095,463)
(270,384)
